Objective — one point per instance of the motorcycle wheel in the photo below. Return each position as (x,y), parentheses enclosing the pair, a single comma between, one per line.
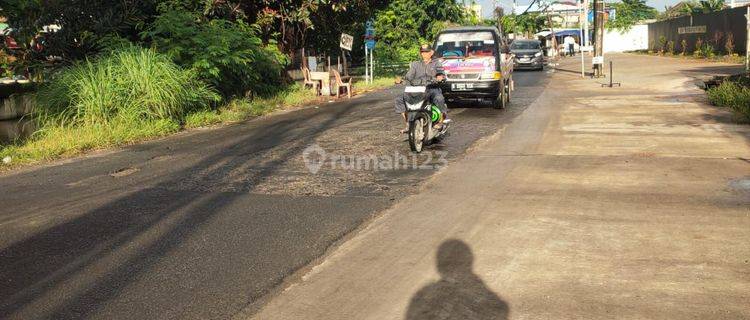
(417,134)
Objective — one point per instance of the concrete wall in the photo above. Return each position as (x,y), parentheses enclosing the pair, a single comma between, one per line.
(15,122)
(634,39)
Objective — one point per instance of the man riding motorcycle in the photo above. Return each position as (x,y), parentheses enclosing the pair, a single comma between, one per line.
(422,73)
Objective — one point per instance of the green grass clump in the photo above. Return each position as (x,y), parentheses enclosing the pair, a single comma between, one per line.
(131,85)
(202,118)
(376,83)
(58,141)
(122,97)
(132,96)
(734,96)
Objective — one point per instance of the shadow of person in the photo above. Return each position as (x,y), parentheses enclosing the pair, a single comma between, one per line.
(459,294)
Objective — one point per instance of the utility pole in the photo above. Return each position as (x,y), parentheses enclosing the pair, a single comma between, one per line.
(585,38)
(583,63)
(599,36)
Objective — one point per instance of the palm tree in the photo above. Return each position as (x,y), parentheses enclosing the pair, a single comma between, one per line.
(712,5)
(704,6)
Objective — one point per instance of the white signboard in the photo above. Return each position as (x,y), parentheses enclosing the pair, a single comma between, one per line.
(597,60)
(693,29)
(346,41)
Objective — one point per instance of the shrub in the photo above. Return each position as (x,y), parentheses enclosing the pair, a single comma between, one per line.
(131,85)
(662,44)
(228,55)
(683,44)
(729,45)
(707,51)
(698,46)
(734,96)
(670,47)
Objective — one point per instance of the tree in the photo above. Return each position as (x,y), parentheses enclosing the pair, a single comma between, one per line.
(404,24)
(629,13)
(527,23)
(703,6)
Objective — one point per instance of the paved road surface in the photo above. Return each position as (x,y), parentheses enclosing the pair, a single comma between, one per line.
(595,203)
(204,224)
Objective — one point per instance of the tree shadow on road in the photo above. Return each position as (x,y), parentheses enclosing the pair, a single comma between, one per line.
(459,294)
(31,268)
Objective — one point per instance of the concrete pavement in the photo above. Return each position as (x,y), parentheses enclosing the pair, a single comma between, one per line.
(595,203)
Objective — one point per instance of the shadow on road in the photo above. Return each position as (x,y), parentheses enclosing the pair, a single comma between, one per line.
(158,218)
(459,294)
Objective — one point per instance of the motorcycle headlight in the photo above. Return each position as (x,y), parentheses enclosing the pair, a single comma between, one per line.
(538,54)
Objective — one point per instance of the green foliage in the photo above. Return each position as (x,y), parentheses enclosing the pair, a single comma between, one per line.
(683,45)
(228,55)
(662,44)
(698,46)
(404,24)
(202,118)
(629,13)
(670,47)
(128,86)
(703,6)
(734,96)
(528,23)
(55,141)
(704,49)
(83,25)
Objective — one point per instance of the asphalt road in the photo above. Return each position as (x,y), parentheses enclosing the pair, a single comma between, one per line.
(205,223)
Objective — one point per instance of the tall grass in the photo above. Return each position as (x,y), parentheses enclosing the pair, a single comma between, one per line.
(131,85)
(116,100)
(734,96)
(122,97)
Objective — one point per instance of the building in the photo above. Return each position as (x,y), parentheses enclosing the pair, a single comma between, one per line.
(737,3)
(564,14)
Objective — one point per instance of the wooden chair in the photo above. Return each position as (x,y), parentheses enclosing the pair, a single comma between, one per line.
(341,84)
(309,82)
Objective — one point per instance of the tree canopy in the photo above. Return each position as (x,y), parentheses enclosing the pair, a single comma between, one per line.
(629,13)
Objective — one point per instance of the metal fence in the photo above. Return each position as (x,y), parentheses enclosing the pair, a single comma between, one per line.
(710,28)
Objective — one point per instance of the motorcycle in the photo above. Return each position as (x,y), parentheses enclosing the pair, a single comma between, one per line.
(422,116)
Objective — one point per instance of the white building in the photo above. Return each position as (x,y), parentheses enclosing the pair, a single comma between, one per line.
(737,3)
(567,15)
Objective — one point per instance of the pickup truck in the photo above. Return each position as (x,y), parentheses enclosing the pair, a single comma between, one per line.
(477,64)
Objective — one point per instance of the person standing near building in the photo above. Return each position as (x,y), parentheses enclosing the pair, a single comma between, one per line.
(570,43)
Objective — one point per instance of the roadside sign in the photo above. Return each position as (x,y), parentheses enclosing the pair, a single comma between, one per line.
(346,41)
(597,60)
(370,44)
(693,29)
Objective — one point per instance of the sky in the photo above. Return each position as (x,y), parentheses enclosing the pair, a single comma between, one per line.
(488,5)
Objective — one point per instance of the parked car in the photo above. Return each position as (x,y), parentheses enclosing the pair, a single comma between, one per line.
(529,54)
(476,63)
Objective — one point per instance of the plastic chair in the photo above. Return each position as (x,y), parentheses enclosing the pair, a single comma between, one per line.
(341,84)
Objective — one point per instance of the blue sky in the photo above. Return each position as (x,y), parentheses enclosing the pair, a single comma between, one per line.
(488,5)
